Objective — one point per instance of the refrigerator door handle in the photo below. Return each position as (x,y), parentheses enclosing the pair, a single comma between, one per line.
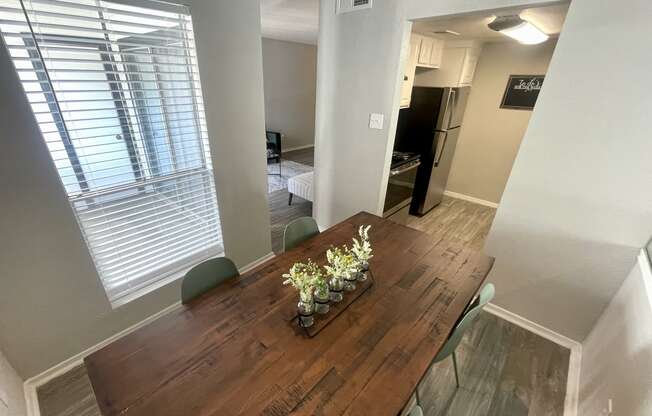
(451,107)
(441,144)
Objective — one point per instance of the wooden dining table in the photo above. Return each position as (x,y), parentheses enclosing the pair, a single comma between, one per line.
(238,351)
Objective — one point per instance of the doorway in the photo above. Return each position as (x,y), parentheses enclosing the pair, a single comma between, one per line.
(467,95)
(464,169)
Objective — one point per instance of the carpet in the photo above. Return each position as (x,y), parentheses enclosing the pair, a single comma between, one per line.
(290,169)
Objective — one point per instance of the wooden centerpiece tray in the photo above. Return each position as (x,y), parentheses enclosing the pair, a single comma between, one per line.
(336,308)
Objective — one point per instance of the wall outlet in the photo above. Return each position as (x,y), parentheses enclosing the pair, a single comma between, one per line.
(376,121)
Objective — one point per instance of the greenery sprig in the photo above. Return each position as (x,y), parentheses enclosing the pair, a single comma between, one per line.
(362,247)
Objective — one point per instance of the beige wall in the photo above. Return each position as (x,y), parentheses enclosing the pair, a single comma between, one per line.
(575,209)
(52,304)
(290,78)
(358,73)
(490,136)
(617,355)
(12,397)
(577,205)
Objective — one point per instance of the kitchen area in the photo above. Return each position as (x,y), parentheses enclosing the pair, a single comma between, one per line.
(470,84)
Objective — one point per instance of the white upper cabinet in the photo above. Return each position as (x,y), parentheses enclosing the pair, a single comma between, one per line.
(410,69)
(468,66)
(436,54)
(430,51)
(425,50)
(456,68)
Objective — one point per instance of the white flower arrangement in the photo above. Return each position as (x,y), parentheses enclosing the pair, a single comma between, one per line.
(341,262)
(362,247)
(304,278)
(321,283)
(345,266)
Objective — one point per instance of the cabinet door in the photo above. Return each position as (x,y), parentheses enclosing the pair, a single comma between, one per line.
(410,69)
(468,67)
(425,50)
(437,51)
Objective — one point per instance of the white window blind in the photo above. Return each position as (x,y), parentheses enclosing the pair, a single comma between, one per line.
(116,92)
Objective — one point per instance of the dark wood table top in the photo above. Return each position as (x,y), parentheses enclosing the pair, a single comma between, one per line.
(233,351)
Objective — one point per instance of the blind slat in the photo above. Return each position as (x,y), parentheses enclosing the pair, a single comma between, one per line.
(48,14)
(121,100)
(106,7)
(121,119)
(94,41)
(74,29)
(135,254)
(88,206)
(126,118)
(188,250)
(120,54)
(172,136)
(145,232)
(145,201)
(127,206)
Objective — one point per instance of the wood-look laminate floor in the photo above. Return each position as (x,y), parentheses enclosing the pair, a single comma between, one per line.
(280,212)
(304,156)
(457,219)
(505,370)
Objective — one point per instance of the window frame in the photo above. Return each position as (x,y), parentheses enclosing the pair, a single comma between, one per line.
(186,195)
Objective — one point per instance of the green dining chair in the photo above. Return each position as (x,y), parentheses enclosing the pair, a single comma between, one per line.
(417,411)
(486,294)
(205,276)
(298,231)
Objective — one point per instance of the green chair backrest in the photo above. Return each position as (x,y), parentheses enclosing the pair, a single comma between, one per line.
(298,231)
(486,294)
(416,411)
(205,276)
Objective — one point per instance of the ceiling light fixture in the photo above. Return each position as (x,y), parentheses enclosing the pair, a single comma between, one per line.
(446,32)
(519,29)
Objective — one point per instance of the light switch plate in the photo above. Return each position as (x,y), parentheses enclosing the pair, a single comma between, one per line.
(376,121)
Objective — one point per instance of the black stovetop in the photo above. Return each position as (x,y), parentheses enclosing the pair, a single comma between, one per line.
(401,158)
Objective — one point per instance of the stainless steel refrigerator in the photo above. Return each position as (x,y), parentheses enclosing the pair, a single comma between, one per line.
(431,126)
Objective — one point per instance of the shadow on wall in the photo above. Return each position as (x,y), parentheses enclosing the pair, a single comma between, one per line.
(12,386)
(540,273)
(617,357)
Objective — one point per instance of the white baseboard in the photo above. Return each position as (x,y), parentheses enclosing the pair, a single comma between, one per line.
(305,146)
(471,199)
(256,263)
(63,367)
(30,386)
(575,362)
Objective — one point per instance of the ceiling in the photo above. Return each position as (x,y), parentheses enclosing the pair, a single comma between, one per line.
(474,27)
(291,20)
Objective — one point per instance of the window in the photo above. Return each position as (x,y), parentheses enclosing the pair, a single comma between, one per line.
(116,92)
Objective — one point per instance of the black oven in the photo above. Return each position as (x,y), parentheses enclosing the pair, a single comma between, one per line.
(400,185)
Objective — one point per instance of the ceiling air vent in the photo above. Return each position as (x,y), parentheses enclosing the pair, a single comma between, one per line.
(345,6)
